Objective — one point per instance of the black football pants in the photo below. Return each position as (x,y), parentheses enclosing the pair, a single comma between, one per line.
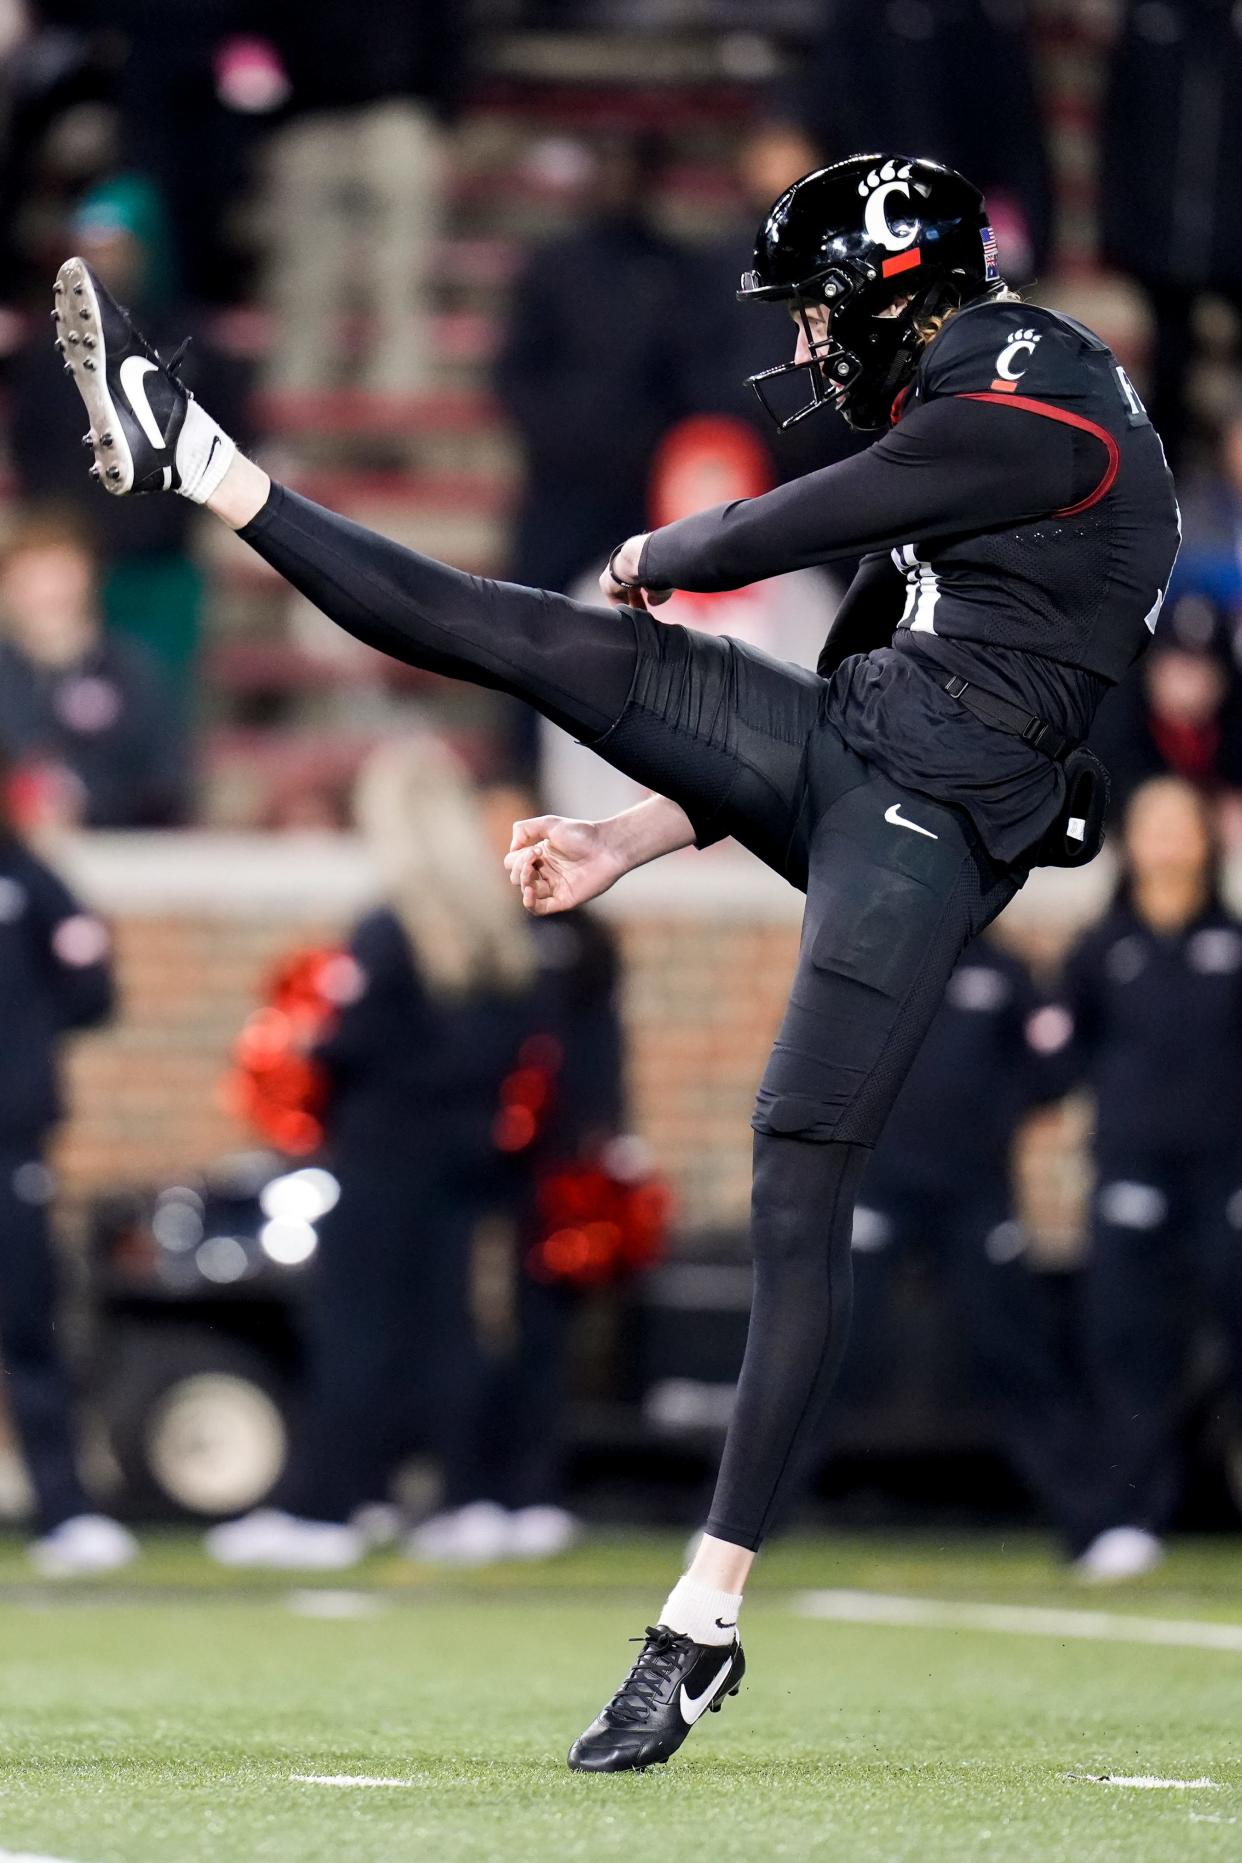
(896,884)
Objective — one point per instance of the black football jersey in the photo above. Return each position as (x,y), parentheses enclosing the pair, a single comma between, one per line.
(1082,584)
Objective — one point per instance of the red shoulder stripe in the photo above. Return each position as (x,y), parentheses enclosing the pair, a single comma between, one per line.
(1069,420)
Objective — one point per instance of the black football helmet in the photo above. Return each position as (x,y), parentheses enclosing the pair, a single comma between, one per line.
(855,237)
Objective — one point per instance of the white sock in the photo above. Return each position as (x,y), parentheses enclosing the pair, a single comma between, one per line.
(204,454)
(696,1611)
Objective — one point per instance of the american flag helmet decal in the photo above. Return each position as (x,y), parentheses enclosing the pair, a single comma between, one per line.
(991,256)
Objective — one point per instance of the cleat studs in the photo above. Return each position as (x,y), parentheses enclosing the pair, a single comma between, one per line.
(68,368)
(88,439)
(78,290)
(88,341)
(74,337)
(55,316)
(84,314)
(94,472)
(108,439)
(114,473)
(60,346)
(87,363)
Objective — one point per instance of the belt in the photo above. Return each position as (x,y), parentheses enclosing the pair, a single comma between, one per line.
(1004,716)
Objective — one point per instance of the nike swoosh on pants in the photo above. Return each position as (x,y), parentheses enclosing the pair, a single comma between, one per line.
(898,820)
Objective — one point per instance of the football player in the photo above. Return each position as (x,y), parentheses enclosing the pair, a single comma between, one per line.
(1017,524)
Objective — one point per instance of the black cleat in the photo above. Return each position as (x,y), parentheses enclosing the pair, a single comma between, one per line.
(135,403)
(672,1684)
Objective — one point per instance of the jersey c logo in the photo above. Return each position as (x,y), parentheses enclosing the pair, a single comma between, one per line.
(1007,375)
(877,187)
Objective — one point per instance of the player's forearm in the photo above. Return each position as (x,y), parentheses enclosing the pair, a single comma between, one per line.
(954,465)
(651,828)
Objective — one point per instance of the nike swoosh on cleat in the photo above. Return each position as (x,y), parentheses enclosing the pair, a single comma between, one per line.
(898,820)
(133,372)
(693,1706)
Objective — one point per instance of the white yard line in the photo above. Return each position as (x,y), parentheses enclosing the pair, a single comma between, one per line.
(28,1856)
(312,1778)
(1146,1782)
(872,1607)
(335,1604)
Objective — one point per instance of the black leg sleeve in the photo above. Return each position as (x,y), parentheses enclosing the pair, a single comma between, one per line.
(801,1220)
(574,663)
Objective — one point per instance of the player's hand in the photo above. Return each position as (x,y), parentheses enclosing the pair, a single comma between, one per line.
(619,582)
(556,863)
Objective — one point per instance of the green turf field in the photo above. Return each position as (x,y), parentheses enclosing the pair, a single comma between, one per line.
(167,1718)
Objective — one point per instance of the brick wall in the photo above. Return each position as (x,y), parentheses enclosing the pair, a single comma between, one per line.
(708,941)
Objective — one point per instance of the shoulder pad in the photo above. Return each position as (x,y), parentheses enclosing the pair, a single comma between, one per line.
(1003,348)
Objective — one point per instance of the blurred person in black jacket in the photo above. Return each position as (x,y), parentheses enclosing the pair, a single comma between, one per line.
(589,371)
(941,1178)
(951,78)
(1182,716)
(55,977)
(1155,996)
(446,982)
(522,1417)
(1170,208)
(84,715)
(151,588)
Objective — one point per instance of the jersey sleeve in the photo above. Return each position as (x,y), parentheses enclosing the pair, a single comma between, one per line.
(953,466)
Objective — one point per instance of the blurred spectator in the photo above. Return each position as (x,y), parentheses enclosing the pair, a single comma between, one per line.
(589,371)
(55,977)
(1170,209)
(356,187)
(1210,562)
(1182,714)
(703,461)
(46,68)
(84,715)
(522,1420)
(726,342)
(941,1181)
(1155,996)
(445,986)
(183,123)
(151,589)
(949,79)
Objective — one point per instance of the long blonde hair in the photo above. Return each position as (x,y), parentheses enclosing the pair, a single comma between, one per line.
(929,327)
(419,812)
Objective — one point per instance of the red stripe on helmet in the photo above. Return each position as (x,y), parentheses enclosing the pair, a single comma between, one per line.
(902,262)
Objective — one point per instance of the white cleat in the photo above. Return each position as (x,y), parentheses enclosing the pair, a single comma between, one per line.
(475,1535)
(147,433)
(541,1532)
(83,1547)
(1119,1554)
(271,1540)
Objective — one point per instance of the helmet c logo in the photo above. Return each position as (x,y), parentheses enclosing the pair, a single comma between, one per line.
(877,188)
(1024,339)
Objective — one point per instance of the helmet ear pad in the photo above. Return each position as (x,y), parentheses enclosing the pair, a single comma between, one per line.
(887,347)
